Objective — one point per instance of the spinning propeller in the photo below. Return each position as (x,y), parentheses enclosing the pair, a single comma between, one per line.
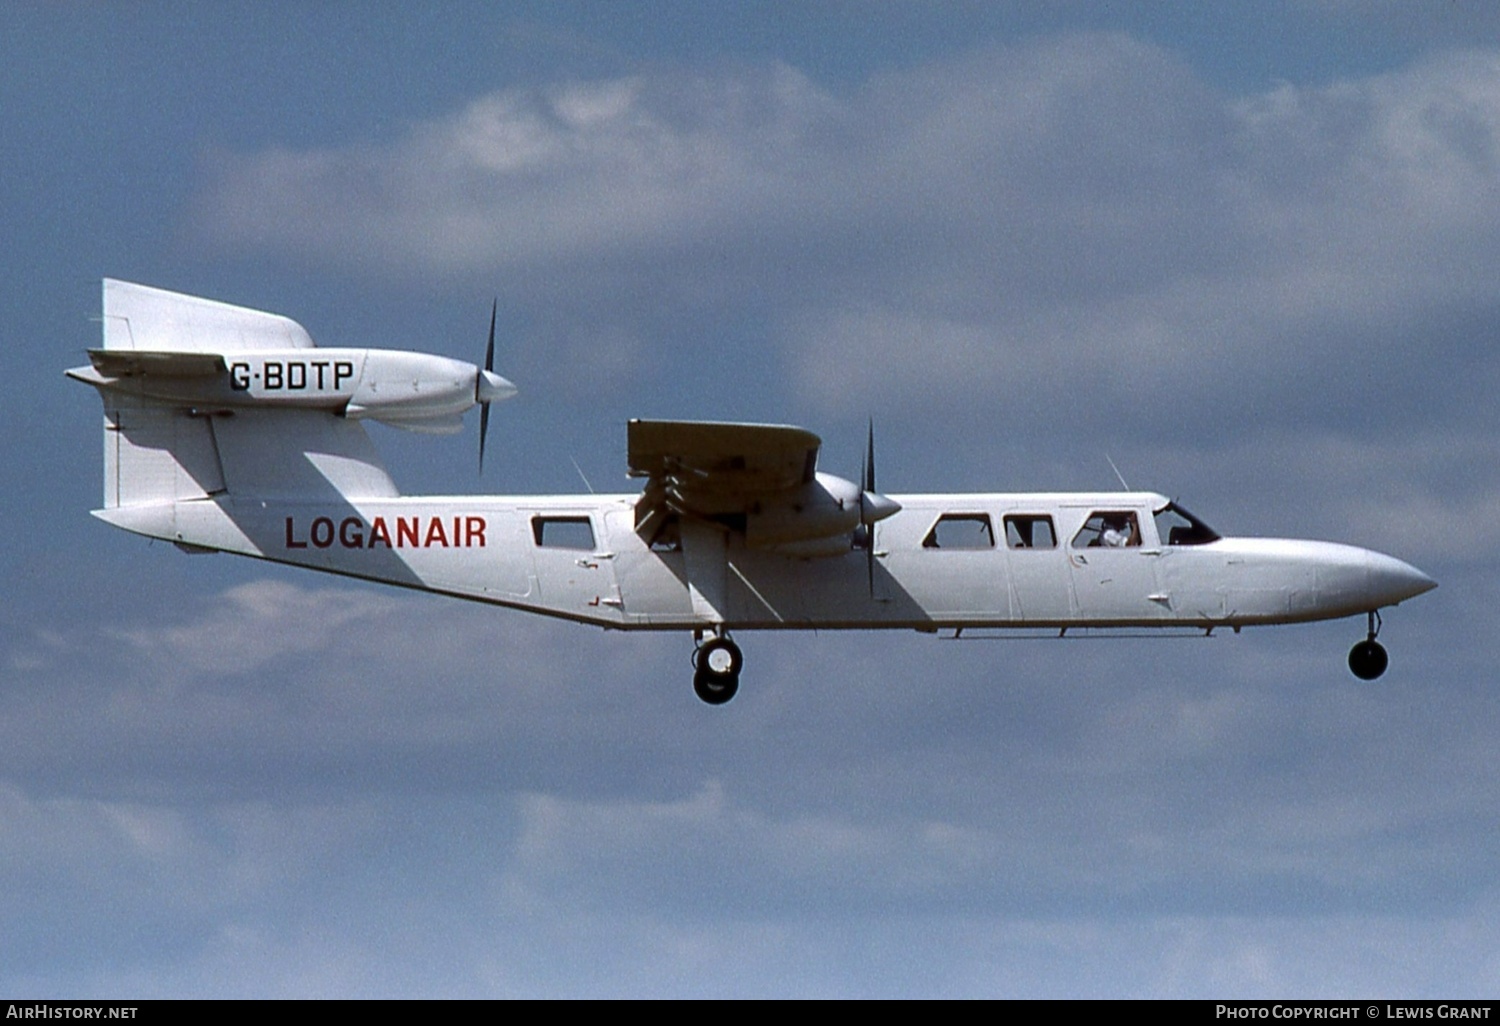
(489,386)
(873,506)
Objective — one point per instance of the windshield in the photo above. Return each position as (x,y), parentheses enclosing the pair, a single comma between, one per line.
(1176,526)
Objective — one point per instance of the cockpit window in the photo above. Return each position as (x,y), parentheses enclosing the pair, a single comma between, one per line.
(1177,526)
(1109,529)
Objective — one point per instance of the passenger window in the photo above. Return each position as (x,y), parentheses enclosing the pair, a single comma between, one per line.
(563,532)
(961,531)
(1024,531)
(1110,530)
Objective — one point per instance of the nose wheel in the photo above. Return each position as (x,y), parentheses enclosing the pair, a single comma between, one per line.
(716,669)
(1367,660)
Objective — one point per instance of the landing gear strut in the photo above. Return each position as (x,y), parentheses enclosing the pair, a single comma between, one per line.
(1367,660)
(716,674)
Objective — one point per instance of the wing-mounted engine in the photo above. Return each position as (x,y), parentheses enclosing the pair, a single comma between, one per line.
(758,480)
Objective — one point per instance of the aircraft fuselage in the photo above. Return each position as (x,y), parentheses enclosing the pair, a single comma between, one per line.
(943,561)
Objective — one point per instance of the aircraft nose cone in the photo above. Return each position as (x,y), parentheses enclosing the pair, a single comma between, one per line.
(1395,581)
(490,387)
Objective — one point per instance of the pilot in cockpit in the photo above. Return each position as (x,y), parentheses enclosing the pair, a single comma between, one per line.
(1118,532)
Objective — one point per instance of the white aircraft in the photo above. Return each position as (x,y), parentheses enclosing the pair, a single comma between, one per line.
(226,429)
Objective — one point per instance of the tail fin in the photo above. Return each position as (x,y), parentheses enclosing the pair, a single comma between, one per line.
(160,452)
(156,454)
(142,319)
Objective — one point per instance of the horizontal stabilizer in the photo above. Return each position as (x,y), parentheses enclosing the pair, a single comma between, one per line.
(113,363)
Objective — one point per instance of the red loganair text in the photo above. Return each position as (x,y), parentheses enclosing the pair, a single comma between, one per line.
(464,532)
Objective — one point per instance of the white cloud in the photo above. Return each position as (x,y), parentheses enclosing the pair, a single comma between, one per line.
(504,806)
(532,176)
(1076,224)
(256,623)
(1063,246)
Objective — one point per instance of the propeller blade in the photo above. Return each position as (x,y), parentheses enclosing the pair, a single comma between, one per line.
(873,507)
(489,350)
(867,487)
(484,430)
(480,382)
(867,481)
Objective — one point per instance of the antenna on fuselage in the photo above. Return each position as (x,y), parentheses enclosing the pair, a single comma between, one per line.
(1118,475)
(582,475)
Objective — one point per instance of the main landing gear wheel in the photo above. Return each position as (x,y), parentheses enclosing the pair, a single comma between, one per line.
(717,670)
(1367,660)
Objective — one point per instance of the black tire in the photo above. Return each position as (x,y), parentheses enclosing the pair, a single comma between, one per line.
(713,688)
(720,659)
(1368,660)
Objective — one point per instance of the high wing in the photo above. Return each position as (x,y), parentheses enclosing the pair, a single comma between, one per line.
(759,480)
(706,469)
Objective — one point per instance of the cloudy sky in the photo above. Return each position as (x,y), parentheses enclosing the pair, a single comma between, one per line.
(1251,252)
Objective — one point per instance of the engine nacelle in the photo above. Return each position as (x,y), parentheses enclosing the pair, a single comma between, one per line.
(417,391)
(420,392)
(826,507)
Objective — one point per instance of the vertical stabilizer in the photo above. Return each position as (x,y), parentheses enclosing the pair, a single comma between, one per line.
(160,451)
(153,453)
